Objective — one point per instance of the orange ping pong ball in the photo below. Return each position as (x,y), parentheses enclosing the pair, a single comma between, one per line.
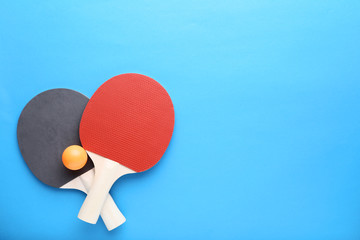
(74,157)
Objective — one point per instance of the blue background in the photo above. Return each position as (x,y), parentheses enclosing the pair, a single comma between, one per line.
(266,96)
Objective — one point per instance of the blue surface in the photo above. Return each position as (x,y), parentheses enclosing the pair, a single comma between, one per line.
(266,96)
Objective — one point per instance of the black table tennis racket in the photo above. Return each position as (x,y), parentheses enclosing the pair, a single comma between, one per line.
(48,124)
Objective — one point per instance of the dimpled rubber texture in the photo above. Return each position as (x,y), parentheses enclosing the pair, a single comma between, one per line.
(130,120)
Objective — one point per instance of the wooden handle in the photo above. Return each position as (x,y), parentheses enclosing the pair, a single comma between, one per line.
(106,173)
(110,213)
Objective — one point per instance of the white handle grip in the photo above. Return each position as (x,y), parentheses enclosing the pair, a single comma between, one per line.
(106,173)
(110,214)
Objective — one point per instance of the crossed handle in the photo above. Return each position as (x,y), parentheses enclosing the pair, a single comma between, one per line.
(110,214)
(106,173)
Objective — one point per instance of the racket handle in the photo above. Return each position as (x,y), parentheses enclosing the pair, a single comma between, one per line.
(106,173)
(110,213)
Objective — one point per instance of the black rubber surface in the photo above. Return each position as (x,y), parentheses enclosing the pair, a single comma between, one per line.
(48,124)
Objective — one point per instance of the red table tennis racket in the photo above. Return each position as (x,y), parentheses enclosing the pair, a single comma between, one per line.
(125,128)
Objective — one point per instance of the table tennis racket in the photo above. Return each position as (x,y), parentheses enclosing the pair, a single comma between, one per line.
(48,124)
(125,128)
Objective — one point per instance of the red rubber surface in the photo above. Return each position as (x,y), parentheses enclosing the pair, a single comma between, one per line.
(130,120)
